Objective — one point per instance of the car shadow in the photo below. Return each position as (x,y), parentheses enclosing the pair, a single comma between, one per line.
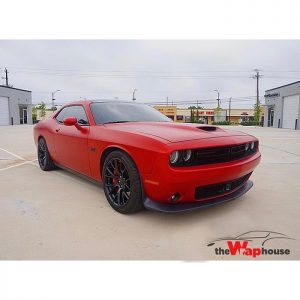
(201,214)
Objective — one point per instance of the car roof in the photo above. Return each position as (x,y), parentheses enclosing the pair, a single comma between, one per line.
(86,101)
(114,101)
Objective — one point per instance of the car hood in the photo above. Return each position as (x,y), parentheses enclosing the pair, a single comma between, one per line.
(174,132)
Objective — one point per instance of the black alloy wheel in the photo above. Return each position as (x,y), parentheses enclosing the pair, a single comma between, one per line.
(117,182)
(44,157)
(121,181)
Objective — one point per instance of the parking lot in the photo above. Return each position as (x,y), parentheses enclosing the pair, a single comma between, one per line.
(57,215)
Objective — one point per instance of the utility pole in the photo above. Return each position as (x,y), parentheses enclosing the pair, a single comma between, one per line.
(257,107)
(197,112)
(229,109)
(167,101)
(257,76)
(6,76)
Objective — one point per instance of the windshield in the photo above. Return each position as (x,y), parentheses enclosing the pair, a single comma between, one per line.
(118,112)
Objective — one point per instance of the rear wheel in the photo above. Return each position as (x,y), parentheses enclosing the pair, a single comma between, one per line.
(44,157)
(122,184)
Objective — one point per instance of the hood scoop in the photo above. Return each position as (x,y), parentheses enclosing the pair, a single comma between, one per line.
(208,128)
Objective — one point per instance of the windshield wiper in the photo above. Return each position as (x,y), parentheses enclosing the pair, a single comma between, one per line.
(112,122)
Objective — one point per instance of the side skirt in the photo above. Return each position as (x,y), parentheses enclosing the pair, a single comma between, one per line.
(85,177)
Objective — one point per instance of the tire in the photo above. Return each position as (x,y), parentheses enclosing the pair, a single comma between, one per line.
(44,158)
(122,183)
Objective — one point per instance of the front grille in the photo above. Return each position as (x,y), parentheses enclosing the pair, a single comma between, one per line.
(219,189)
(214,155)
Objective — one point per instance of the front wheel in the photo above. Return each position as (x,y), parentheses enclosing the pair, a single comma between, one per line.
(122,183)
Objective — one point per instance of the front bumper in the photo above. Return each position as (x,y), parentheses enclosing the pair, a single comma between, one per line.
(189,206)
(166,181)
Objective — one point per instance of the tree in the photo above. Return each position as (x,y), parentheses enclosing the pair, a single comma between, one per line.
(34,114)
(257,112)
(195,107)
(192,115)
(42,108)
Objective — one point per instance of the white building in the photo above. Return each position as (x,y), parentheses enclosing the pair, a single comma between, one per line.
(15,106)
(282,109)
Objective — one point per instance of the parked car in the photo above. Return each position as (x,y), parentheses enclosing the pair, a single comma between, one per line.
(145,160)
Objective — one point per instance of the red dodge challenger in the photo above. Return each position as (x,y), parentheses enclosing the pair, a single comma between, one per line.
(144,159)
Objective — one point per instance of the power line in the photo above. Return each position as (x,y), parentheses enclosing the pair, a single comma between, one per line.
(199,101)
(139,74)
(147,71)
(133,76)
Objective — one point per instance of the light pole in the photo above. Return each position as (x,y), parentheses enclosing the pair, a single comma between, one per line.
(53,93)
(133,95)
(229,109)
(218,98)
(197,119)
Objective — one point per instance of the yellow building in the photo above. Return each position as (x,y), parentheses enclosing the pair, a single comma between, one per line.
(206,116)
(183,115)
(168,110)
(240,115)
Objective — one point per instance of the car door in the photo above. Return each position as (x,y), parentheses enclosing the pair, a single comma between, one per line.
(71,143)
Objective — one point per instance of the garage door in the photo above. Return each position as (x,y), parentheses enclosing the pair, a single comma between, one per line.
(290,111)
(4,112)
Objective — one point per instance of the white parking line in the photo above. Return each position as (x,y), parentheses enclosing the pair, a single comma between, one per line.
(20,164)
(32,162)
(13,154)
(14,166)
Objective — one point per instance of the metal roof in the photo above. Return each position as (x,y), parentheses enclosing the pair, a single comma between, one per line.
(283,86)
(9,87)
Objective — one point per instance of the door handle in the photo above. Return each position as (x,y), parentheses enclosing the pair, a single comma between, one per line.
(57,130)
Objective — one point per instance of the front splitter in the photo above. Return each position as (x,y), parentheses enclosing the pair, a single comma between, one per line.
(190,206)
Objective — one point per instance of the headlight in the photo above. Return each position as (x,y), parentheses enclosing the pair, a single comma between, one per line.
(247,146)
(186,155)
(174,156)
(252,145)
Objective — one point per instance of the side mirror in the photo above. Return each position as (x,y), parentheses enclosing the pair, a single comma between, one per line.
(71,121)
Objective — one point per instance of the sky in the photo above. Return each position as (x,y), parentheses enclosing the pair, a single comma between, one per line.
(180,70)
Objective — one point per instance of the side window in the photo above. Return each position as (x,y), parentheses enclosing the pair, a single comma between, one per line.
(61,115)
(78,112)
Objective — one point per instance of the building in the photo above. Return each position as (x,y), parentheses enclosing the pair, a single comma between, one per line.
(15,106)
(48,112)
(282,106)
(238,115)
(206,115)
(183,115)
(168,110)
